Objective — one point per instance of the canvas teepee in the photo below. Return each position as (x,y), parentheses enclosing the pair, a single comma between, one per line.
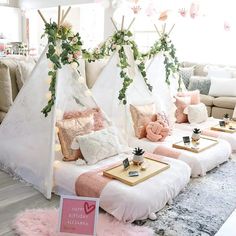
(28,139)
(156,73)
(108,84)
(156,67)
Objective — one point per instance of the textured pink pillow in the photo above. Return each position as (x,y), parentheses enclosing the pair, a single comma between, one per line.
(181,103)
(97,116)
(195,96)
(157,131)
(68,130)
(141,116)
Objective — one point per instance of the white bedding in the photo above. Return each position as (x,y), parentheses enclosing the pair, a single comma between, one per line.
(199,163)
(124,202)
(231,138)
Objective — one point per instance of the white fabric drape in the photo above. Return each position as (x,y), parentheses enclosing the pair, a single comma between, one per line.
(28,139)
(106,91)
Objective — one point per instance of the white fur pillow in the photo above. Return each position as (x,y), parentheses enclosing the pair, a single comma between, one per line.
(223,87)
(98,145)
(196,113)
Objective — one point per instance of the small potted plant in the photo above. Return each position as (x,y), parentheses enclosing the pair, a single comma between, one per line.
(196,135)
(138,156)
(226,118)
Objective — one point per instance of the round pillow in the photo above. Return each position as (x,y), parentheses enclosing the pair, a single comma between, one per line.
(157,131)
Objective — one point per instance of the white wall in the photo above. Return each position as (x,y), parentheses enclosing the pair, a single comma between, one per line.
(11,23)
(35,4)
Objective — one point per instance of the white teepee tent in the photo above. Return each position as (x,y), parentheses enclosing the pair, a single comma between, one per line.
(161,90)
(106,92)
(109,83)
(28,140)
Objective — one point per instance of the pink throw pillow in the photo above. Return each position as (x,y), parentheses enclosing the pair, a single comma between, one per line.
(181,103)
(68,129)
(183,99)
(97,116)
(142,115)
(195,96)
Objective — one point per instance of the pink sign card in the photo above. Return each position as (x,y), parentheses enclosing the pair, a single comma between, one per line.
(78,215)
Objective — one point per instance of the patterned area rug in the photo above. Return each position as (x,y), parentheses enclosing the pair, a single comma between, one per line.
(202,208)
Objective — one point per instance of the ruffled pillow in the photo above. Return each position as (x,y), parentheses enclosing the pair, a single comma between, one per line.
(68,129)
(142,115)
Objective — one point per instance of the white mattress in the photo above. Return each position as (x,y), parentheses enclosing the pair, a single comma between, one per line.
(124,202)
(199,163)
(230,138)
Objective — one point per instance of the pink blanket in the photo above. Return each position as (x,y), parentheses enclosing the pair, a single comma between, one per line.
(91,183)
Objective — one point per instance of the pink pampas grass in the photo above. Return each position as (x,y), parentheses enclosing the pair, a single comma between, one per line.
(44,222)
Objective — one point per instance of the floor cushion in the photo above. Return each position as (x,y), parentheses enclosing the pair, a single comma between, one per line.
(200,163)
(124,202)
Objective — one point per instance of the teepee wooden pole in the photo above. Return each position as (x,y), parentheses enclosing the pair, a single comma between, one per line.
(171,29)
(131,24)
(157,30)
(122,23)
(59,15)
(164,29)
(64,17)
(113,22)
(41,15)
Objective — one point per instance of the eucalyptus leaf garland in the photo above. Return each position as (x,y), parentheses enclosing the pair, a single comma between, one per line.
(118,42)
(69,50)
(64,47)
(165,45)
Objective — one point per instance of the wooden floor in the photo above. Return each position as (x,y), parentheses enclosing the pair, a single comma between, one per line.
(16,197)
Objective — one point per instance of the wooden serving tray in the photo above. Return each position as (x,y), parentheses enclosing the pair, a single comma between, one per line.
(204,143)
(154,167)
(226,128)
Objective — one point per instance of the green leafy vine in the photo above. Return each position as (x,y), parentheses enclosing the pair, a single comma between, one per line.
(118,42)
(165,45)
(64,47)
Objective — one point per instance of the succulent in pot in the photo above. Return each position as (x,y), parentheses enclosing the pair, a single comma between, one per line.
(226,118)
(138,156)
(196,135)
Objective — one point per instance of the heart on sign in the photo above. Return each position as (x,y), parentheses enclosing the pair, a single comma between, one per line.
(88,208)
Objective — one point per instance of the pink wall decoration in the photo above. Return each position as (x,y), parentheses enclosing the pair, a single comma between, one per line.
(163,15)
(150,10)
(227,26)
(182,12)
(194,10)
